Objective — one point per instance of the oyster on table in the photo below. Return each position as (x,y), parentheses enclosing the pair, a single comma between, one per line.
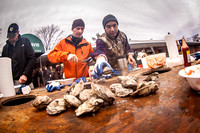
(145,88)
(91,105)
(103,92)
(57,106)
(120,91)
(85,94)
(77,88)
(72,100)
(152,77)
(128,81)
(41,102)
(71,87)
(124,78)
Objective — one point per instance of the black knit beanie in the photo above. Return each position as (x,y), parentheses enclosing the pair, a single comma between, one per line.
(78,22)
(108,18)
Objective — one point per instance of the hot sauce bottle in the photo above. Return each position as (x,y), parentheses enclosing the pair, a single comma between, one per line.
(186,53)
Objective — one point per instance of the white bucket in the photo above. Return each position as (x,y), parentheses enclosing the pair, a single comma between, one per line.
(6,80)
(144,63)
(171,46)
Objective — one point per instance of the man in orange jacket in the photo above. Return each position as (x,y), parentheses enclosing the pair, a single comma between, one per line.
(71,50)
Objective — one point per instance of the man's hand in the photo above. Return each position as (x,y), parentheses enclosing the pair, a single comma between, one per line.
(72,58)
(131,60)
(98,67)
(22,79)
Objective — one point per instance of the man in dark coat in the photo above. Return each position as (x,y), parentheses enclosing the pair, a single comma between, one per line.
(20,51)
(111,45)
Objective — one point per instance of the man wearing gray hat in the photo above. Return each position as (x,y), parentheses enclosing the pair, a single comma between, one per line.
(111,45)
(20,51)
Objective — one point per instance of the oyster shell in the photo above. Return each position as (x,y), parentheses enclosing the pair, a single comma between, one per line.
(103,92)
(107,70)
(77,89)
(145,88)
(72,100)
(133,77)
(91,105)
(152,77)
(41,102)
(129,84)
(85,94)
(100,81)
(120,91)
(128,81)
(57,106)
(71,87)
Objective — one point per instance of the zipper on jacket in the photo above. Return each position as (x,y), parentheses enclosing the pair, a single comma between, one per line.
(76,65)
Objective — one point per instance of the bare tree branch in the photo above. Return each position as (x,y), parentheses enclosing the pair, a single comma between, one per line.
(196,38)
(1,45)
(50,35)
(97,37)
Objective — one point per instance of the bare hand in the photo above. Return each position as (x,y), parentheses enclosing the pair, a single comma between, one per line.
(22,79)
(72,58)
(131,60)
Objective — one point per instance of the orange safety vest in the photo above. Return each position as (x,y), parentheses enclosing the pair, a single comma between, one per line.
(63,49)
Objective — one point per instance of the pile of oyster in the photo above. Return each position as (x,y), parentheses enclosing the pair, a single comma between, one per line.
(84,99)
(129,86)
(91,98)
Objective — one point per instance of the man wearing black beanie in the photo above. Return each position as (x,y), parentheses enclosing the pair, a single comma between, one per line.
(111,45)
(71,51)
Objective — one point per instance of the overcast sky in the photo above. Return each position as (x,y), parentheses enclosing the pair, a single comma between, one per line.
(139,19)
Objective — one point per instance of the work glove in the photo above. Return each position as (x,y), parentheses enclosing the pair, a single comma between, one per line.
(106,76)
(116,73)
(72,58)
(23,89)
(78,80)
(54,85)
(98,68)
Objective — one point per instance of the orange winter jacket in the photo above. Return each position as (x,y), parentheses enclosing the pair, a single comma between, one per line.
(63,49)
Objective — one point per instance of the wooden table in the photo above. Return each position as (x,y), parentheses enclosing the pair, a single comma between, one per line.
(174,108)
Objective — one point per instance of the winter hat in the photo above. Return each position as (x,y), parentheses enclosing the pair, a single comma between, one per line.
(78,22)
(107,19)
(12,30)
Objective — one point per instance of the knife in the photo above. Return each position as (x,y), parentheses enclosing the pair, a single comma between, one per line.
(86,60)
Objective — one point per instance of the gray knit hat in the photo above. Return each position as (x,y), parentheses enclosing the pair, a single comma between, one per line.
(108,18)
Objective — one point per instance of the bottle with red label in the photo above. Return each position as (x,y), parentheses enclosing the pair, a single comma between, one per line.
(186,53)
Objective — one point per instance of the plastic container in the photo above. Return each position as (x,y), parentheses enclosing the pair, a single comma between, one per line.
(156,60)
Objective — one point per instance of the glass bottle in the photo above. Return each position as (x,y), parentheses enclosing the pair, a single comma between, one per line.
(186,53)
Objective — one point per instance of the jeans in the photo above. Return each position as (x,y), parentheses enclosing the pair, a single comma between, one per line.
(129,67)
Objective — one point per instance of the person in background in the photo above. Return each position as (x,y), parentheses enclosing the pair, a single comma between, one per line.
(52,73)
(71,50)
(35,77)
(110,45)
(141,55)
(59,71)
(20,51)
(46,74)
(40,75)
